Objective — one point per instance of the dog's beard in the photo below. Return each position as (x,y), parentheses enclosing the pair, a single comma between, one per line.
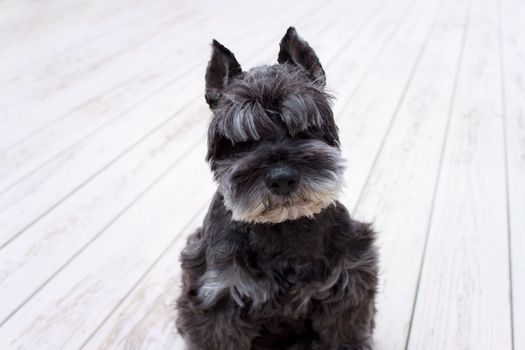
(261,206)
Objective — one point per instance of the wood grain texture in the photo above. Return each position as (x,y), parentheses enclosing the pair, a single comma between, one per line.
(31,33)
(367,113)
(145,318)
(47,80)
(463,299)
(398,194)
(130,72)
(126,249)
(29,27)
(351,66)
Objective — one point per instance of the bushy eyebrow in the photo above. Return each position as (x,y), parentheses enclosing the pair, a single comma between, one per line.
(243,121)
(240,119)
(261,105)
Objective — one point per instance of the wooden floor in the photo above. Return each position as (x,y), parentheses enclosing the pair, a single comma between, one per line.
(102,172)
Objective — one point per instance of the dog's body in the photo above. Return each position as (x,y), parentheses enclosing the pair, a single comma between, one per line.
(278,263)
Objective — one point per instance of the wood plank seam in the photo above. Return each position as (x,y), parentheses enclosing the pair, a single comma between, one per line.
(152,35)
(374,60)
(72,46)
(506,169)
(441,158)
(463,297)
(375,13)
(400,101)
(177,237)
(113,88)
(97,235)
(57,119)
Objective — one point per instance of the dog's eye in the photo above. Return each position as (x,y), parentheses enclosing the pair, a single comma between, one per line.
(224,148)
(244,146)
(304,135)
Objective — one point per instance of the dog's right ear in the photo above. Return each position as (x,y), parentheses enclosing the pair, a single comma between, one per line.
(294,50)
(222,68)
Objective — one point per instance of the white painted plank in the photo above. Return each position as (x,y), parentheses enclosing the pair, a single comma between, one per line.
(63,315)
(10,10)
(55,46)
(70,81)
(366,115)
(40,29)
(146,317)
(18,19)
(399,191)
(350,67)
(337,34)
(463,298)
(513,52)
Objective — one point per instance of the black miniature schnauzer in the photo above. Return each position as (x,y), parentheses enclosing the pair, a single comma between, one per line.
(278,262)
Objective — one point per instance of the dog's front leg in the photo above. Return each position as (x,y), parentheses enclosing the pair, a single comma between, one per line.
(347,330)
(346,322)
(219,328)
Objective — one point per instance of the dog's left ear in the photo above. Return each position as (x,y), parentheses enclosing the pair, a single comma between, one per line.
(296,51)
(222,68)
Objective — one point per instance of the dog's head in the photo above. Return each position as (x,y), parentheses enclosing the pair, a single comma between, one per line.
(272,142)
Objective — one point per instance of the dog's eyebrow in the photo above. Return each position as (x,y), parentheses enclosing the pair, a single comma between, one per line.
(257,106)
(240,122)
(249,120)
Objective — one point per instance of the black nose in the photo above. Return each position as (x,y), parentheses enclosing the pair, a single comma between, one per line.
(282,180)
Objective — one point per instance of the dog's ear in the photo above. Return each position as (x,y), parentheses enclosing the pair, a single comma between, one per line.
(222,68)
(295,50)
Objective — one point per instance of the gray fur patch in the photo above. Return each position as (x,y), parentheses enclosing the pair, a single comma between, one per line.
(234,281)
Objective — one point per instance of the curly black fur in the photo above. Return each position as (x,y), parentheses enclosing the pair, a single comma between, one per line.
(266,270)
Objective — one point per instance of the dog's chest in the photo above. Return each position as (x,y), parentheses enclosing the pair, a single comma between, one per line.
(286,268)
(291,284)
(307,277)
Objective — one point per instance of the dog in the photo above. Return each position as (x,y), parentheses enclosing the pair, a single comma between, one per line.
(278,263)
